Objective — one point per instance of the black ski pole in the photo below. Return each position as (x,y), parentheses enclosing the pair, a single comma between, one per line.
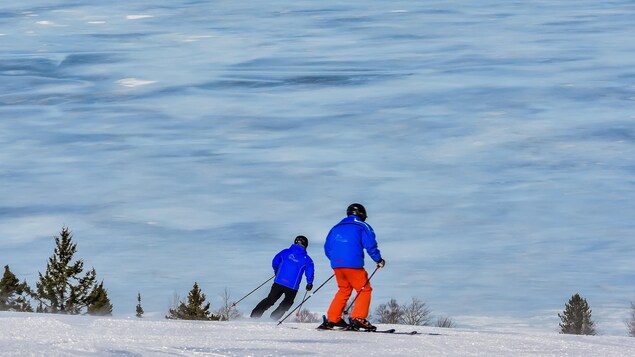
(251,292)
(360,290)
(305,299)
(298,314)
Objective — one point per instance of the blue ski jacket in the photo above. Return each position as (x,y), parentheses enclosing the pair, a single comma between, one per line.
(290,264)
(346,242)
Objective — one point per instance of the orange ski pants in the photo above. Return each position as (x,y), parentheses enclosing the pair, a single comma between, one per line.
(347,280)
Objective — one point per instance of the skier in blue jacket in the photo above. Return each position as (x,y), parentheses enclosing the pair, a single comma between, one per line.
(344,246)
(288,265)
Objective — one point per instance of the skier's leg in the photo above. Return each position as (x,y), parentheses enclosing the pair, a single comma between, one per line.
(334,314)
(358,277)
(289,296)
(274,294)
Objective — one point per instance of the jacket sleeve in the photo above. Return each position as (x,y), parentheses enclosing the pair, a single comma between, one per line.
(370,243)
(310,270)
(275,263)
(327,245)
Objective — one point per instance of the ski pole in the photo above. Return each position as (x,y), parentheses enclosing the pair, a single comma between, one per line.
(360,290)
(251,292)
(298,314)
(305,299)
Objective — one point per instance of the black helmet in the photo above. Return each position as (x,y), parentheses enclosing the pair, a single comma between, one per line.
(301,240)
(358,210)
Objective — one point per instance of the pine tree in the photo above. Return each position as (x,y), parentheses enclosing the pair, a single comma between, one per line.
(631,323)
(139,308)
(13,294)
(61,289)
(99,303)
(576,318)
(195,309)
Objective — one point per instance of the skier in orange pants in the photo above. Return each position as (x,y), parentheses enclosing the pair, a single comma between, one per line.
(347,280)
(344,246)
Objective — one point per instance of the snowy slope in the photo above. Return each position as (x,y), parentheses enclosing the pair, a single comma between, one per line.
(56,335)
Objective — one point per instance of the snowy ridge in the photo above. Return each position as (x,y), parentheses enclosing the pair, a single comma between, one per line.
(59,335)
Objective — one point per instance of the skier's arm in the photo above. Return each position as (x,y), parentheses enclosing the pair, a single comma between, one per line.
(275,263)
(370,243)
(310,271)
(327,246)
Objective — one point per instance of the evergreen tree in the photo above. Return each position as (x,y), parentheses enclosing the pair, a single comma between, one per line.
(61,289)
(576,318)
(631,323)
(195,309)
(99,303)
(139,308)
(13,294)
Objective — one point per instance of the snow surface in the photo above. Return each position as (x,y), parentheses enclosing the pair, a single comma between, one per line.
(30,334)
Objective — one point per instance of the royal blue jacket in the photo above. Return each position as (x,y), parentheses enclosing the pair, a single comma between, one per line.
(289,265)
(346,242)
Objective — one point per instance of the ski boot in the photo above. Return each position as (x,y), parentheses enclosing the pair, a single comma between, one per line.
(329,325)
(361,324)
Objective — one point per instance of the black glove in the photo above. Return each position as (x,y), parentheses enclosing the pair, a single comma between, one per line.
(381,263)
(309,287)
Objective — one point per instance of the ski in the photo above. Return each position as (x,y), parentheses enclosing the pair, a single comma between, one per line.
(389,331)
(407,333)
(392,330)
(348,328)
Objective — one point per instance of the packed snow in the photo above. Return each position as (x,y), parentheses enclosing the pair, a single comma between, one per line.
(31,334)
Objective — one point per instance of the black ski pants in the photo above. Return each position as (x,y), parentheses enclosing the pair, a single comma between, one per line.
(276,292)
